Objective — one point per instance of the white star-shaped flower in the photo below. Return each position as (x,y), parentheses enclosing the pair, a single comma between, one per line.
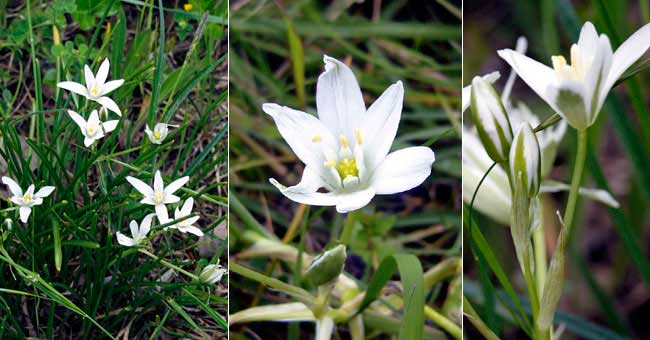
(186,225)
(25,201)
(96,87)
(346,148)
(94,128)
(158,195)
(159,133)
(138,233)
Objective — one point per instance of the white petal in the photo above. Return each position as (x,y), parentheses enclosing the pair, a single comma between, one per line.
(467,90)
(44,191)
(596,78)
(588,40)
(338,99)
(94,118)
(537,75)
(187,207)
(569,101)
(175,185)
(403,170)
(324,328)
(300,195)
(193,230)
(380,127)
(102,73)
(134,229)
(141,186)
(13,186)
(73,87)
(147,200)
(110,125)
(124,240)
(145,226)
(24,213)
(109,104)
(169,199)
(158,184)
(627,54)
(161,213)
(304,133)
(111,86)
(355,200)
(90,78)
(30,190)
(80,121)
(191,220)
(88,141)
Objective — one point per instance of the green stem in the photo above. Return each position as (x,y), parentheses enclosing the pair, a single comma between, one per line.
(443,322)
(578,169)
(539,246)
(297,292)
(169,265)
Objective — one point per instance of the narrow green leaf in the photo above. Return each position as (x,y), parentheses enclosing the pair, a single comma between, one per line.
(57,244)
(297,62)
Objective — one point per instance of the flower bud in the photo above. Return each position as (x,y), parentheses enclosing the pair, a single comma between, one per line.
(327,266)
(491,120)
(211,273)
(525,161)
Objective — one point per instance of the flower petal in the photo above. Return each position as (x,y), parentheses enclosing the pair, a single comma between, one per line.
(169,199)
(537,75)
(569,101)
(13,186)
(145,226)
(134,229)
(354,200)
(80,121)
(124,240)
(110,125)
(324,328)
(88,141)
(90,78)
(111,86)
(44,191)
(467,90)
(403,170)
(596,78)
(158,184)
(93,119)
(109,104)
(588,40)
(380,127)
(24,213)
(299,194)
(338,99)
(102,73)
(175,185)
(161,213)
(187,207)
(141,186)
(192,230)
(73,87)
(627,54)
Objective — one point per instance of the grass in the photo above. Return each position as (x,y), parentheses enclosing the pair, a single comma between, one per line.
(63,273)
(276,57)
(607,257)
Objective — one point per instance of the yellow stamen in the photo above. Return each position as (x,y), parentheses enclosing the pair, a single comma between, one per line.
(91,129)
(27,197)
(344,142)
(187,7)
(330,163)
(357,133)
(317,139)
(94,91)
(158,197)
(156,135)
(347,168)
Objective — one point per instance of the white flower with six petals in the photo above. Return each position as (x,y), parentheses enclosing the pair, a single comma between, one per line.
(96,87)
(138,233)
(94,128)
(186,225)
(345,149)
(28,199)
(159,133)
(158,195)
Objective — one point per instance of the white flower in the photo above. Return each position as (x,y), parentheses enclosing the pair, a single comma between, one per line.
(159,133)
(491,120)
(96,87)
(138,233)
(28,199)
(158,195)
(577,91)
(94,128)
(345,149)
(186,225)
(526,160)
(212,273)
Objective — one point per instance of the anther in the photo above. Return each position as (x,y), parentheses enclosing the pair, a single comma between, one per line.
(344,142)
(357,134)
(317,139)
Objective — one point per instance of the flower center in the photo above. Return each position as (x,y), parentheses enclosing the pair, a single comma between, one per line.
(27,197)
(92,129)
(157,135)
(347,167)
(94,91)
(158,197)
(578,68)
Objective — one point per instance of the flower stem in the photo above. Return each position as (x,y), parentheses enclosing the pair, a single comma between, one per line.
(578,169)
(443,322)
(539,246)
(169,265)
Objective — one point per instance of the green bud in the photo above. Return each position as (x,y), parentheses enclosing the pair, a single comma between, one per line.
(525,161)
(491,120)
(212,273)
(327,266)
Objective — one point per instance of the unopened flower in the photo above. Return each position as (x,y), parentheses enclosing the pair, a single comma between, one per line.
(346,148)
(138,233)
(159,133)
(467,90)
(212,273)
(186,225)
(525,161)
(158,195)
(94,128)
(491,120)
(96,87)
(327,266)
(28,199)
(578,90)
